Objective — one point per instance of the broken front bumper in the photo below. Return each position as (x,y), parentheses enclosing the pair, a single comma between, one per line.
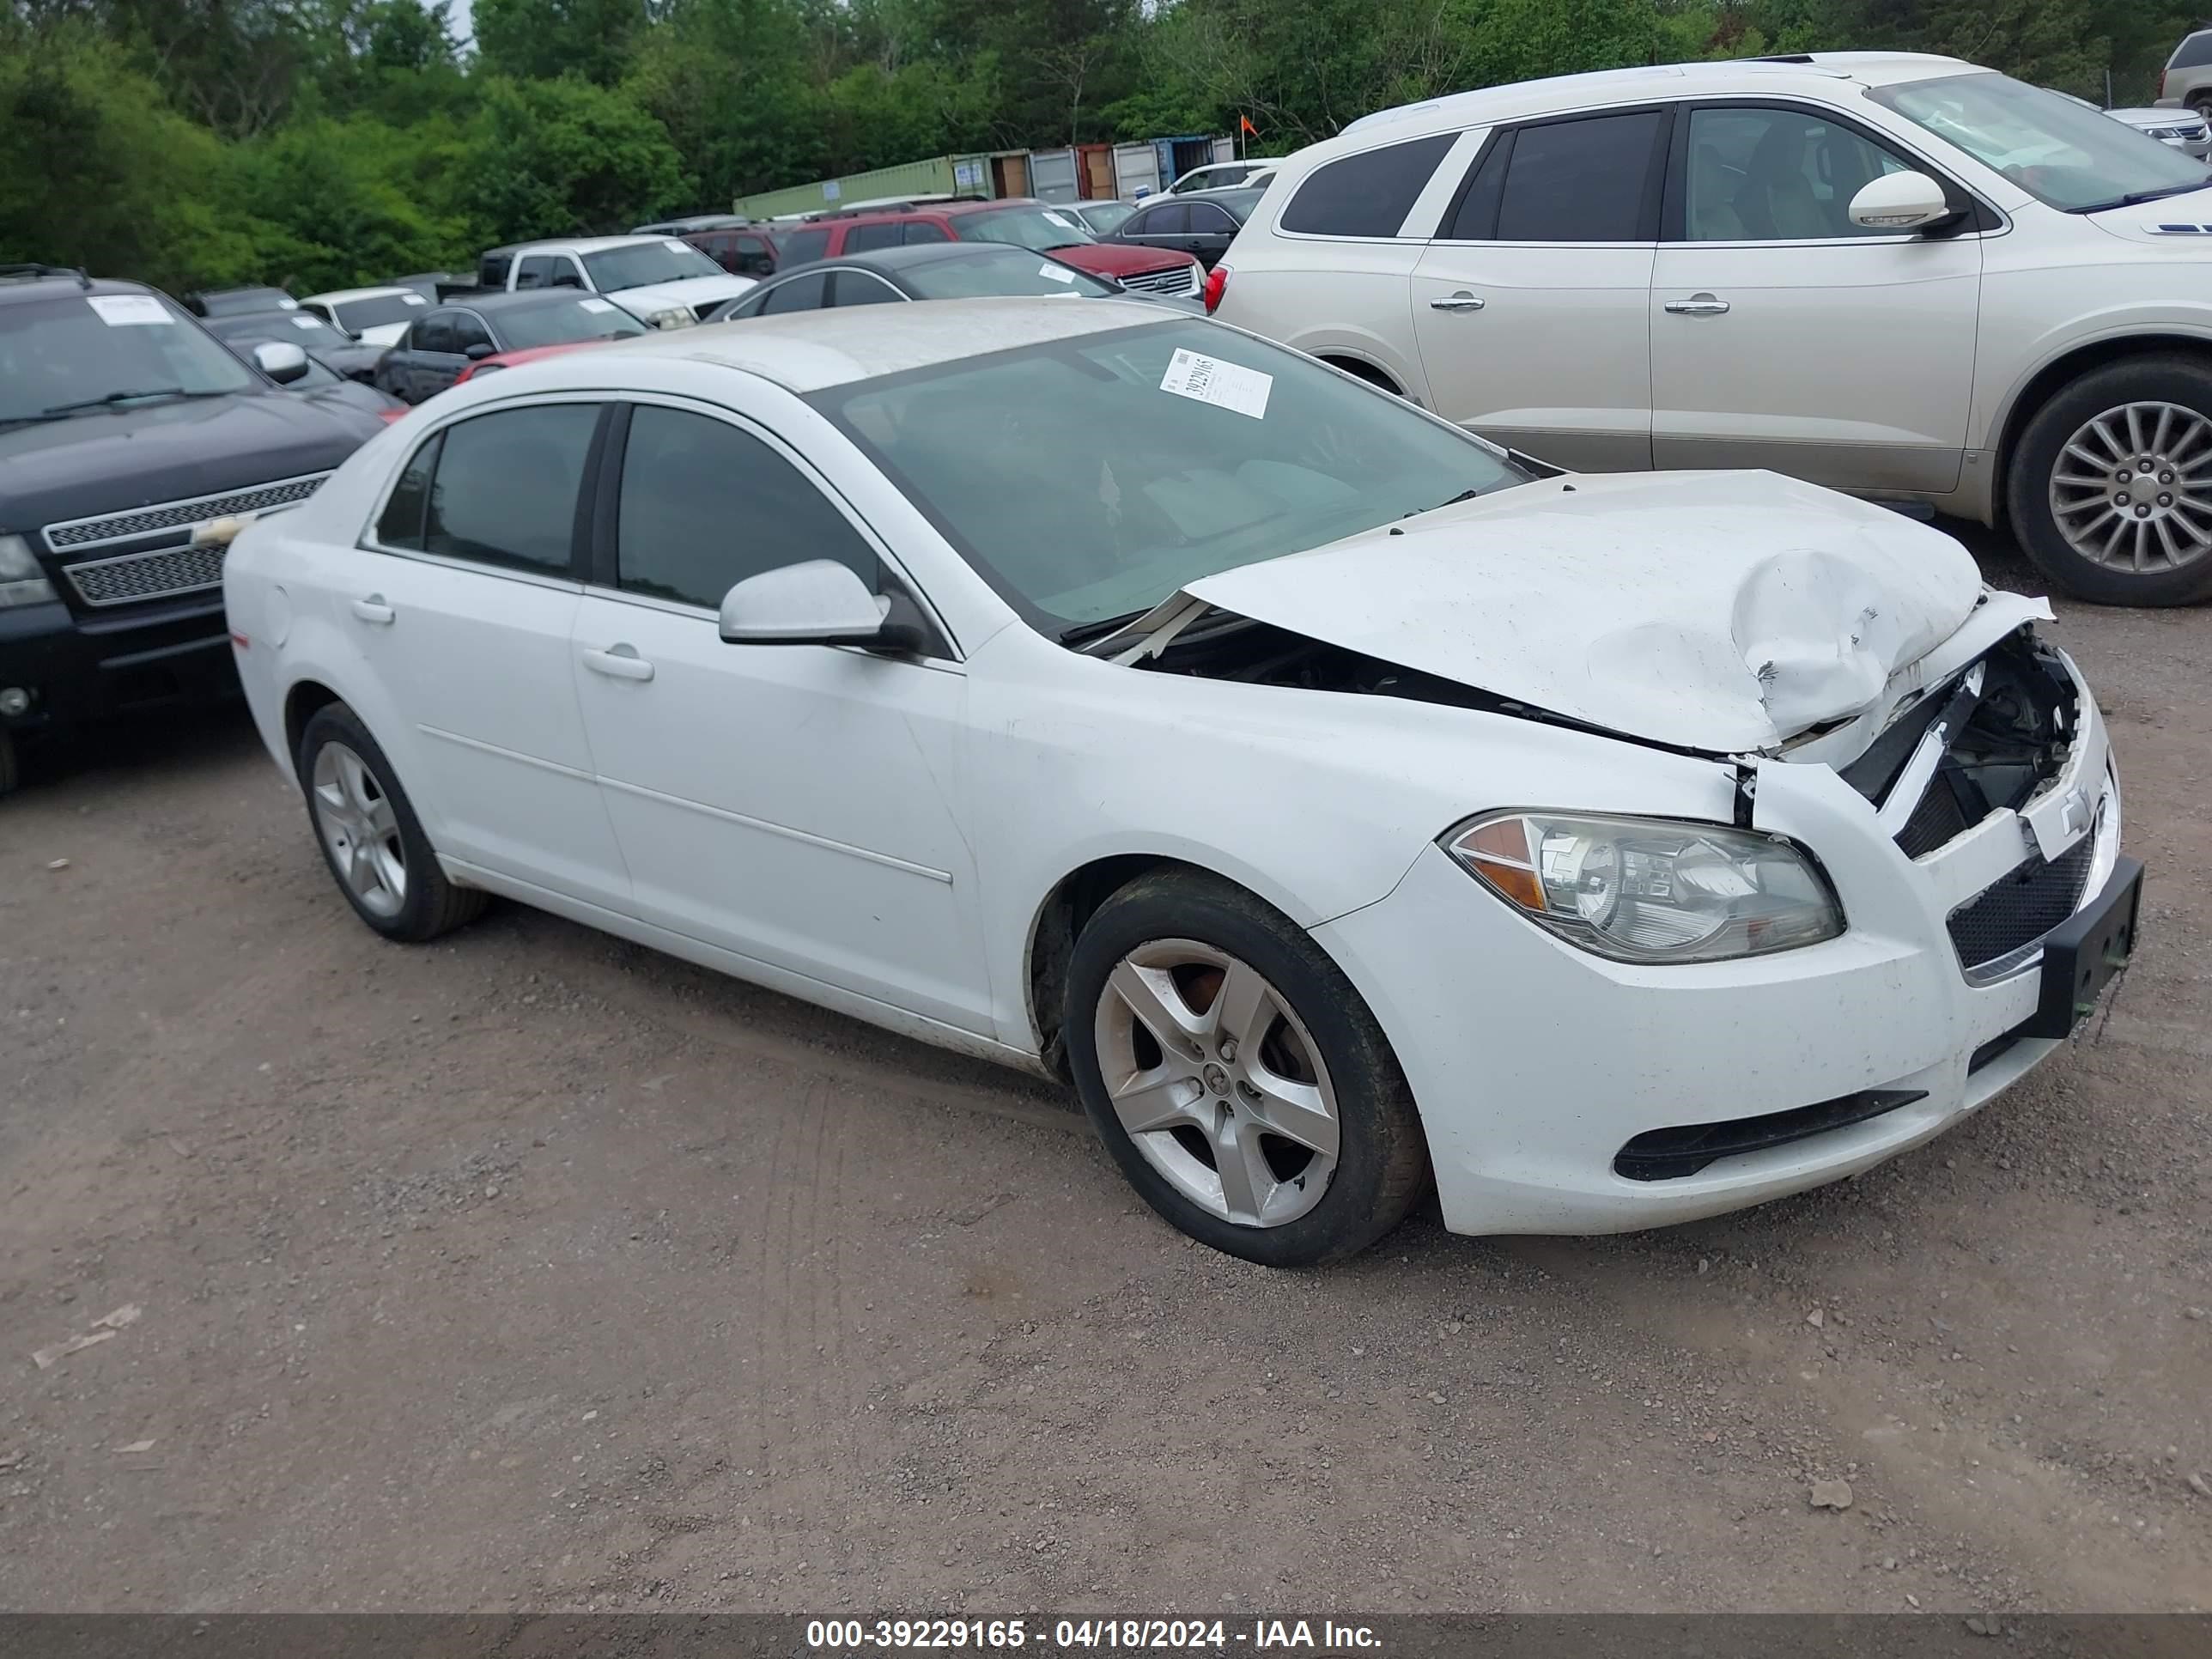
(1542,1071)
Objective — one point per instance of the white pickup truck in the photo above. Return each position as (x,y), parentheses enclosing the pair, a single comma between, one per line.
(659,280)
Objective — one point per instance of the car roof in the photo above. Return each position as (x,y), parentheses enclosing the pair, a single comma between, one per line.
(36,282)
(1800,70)
(808,350)
(340,295)
(920,253)
(286,321)
(953,209)
(495,301)
(1239,199)
(580,244)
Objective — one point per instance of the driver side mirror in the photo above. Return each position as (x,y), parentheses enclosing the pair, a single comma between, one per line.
(280,361)
(478,352)
(1900,201)
(819,602)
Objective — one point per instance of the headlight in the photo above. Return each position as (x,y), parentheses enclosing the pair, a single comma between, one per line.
(1651,890)
(673,316)
(22,581)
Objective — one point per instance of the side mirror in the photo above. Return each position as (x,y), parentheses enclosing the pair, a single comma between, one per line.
(478,352)
(819,602)
(280,361)
(1900,201)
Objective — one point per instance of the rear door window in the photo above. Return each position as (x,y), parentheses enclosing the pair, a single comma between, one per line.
(860,239)
(1585,180)
(506,487)
(435,333)
(1173,219)
(1369,194)
(921,230)
(802,246)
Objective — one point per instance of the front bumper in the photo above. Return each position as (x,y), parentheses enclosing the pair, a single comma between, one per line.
(1534,1065)
(82,668)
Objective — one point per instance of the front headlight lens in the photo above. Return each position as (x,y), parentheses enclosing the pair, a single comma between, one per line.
(1651,890)
(673,316)
(22,581)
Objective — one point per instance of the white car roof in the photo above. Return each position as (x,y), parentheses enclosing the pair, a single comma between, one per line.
(340,295)
(1808,71)
(584,244)
(806,350)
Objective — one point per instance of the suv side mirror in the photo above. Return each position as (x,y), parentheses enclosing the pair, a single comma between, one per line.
(1900,201)
(478,352)
(819,602)
(281,361)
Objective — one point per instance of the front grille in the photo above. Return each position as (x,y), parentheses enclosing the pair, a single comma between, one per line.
(147,575)
(1171,279)
(173,515)
(2023,907)
(1934,822)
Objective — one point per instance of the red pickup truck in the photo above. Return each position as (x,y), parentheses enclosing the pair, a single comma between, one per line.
(1019,221)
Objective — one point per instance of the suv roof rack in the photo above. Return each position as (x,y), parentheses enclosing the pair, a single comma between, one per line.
(33,272)
(900,205)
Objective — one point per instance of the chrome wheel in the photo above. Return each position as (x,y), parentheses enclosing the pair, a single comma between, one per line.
(358,824)
(2132,489)
(1217,1082)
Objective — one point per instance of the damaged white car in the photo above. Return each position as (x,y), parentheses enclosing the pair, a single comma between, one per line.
(1342,805)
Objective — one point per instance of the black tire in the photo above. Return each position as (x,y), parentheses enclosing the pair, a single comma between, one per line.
(2165,378)
(1367,371)
(1382,1165)
(433,905)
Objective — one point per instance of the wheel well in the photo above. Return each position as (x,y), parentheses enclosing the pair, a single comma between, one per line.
(2054,376)
(1059,920)
(1367,371)
(300,704)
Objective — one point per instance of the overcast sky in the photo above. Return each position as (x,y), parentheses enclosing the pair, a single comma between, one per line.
(457,11)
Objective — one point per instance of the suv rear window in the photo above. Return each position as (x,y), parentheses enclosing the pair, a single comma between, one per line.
(802,246)
(1369,194)
(2194,53)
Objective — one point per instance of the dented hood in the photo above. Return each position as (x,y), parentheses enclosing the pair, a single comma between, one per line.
(1723,611)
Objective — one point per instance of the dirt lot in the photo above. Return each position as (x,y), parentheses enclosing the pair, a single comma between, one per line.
(534,1270)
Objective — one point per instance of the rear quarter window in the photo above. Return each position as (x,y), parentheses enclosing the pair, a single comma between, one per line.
(2195,52)
(804,244)
(1369,194)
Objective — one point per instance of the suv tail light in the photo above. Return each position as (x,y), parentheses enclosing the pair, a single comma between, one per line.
(1216,285)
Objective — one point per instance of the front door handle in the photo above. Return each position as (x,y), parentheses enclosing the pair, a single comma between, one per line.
(1461,301)
(1697,305)
(619,662)
(373,610)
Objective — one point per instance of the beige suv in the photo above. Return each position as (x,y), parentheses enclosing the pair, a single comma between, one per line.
(2187,80)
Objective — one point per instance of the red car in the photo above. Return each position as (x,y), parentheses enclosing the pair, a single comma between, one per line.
(1018,221)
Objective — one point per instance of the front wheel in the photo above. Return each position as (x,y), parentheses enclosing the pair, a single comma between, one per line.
(2110,487)
(1236,1077)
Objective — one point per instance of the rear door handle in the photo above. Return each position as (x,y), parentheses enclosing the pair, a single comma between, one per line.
(373,610)
(1461,301)
(619,662)
(1697,305)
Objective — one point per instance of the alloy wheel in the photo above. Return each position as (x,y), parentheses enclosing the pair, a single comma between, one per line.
(2132,487)
(1217,1082)
(354,814)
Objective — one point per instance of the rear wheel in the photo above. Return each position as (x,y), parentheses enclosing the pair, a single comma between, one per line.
(2110,487)
(1236,1075)
(371,839)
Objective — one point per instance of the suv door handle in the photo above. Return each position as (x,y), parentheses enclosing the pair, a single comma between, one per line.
(619,662)
(1461,301)
(1697,305)
(373,610)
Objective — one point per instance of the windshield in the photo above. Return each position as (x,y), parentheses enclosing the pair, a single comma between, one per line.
(640,262)
(354,315)
(302,328)
(584,318)
(88,349)
(2065,154)
(1106,218)
(1000,272)
(1038,227)
(1089,478)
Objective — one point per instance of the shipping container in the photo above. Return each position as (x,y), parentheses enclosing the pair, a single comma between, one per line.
(1179,155)
(934,176)
(1225,149)
(1095,172)
(1136,170)
(1010,172)
(1051,175)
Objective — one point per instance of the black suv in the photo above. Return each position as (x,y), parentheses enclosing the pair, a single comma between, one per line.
(124,428)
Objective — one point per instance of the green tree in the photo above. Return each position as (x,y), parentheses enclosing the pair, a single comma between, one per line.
(558,158)
(545,39)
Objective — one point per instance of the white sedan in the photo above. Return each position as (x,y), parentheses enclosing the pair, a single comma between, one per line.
(1342,803)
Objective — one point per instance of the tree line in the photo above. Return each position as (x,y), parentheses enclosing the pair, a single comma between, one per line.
(326,142)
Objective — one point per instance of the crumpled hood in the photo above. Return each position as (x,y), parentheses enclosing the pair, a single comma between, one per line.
(696,292)
(1721,612)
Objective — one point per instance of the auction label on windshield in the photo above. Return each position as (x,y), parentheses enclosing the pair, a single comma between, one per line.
(129,310)
(1225,385)
(596,305)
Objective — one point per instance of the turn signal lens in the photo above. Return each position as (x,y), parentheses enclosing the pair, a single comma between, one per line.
(1217,283)
(1651,890)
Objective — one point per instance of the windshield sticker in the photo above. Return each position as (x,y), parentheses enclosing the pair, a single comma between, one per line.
(288,304)
(413,300)
(1211,381)
(1057,273)
(1064,224)
(681,248)
(129,310)
(596,305)
(310,324)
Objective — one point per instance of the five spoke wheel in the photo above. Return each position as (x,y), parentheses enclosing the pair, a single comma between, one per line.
(355,813)
(1217,1084)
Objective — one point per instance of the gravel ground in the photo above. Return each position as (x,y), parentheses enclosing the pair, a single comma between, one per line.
(533,1270)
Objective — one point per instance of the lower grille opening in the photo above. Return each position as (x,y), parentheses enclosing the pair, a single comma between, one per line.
(1669,1154)
(2023,907)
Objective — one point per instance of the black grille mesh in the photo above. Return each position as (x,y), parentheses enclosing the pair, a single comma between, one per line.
(173,515)
(1933,822)
(2023,907)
